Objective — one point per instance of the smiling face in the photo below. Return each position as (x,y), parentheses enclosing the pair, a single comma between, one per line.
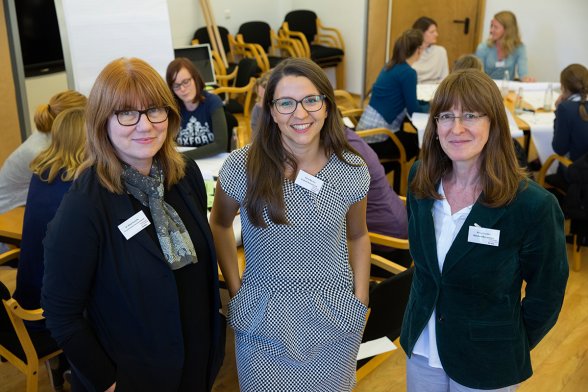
(430,36)
(496,30)
(300,129)
(463,142)
(184,86)
(137,144)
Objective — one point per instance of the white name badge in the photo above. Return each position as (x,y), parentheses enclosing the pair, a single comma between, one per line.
(309,182)
(134,224)
(481,235)
(500,64)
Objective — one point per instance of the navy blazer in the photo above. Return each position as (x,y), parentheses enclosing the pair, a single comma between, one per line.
(484,330)
(119,297)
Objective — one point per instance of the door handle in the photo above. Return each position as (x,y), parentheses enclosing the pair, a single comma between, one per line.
(466,24)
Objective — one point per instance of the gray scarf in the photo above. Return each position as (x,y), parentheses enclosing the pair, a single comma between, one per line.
(174,239)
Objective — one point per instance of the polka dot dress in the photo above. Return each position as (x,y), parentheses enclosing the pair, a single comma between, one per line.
(297,322)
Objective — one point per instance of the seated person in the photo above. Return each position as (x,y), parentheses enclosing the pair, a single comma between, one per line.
(570,136)
(204,124)
(504,50)
(386,213)
(466,61)
(394,96)
(260,85)
(15,174)
(432,66)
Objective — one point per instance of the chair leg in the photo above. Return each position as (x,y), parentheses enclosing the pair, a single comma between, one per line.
(576,254)
(340,74)
(32,374)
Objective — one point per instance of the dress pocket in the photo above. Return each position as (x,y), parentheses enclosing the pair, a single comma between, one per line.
(247,308)
(341,311)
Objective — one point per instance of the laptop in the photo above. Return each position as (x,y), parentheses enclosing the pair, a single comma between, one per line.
(202,59)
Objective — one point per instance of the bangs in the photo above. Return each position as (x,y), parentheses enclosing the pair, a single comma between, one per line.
(459,94)
(138,92)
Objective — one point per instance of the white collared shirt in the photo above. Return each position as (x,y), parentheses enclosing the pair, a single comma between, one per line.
(446,228)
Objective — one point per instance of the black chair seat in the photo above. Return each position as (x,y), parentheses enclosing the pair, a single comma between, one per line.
(273,60)
(233,107)
(321,52)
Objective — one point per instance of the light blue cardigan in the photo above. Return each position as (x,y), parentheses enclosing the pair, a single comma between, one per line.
(517,59)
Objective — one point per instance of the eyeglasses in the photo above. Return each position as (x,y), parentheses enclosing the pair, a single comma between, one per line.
(311,103)
(132,117)
(447,120)
(183,83)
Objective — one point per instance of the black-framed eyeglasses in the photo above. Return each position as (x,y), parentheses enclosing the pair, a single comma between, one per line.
(311,103)
(467,119)
(131,117)
(183,83)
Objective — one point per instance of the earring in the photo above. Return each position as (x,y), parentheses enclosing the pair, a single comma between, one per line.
(436,137)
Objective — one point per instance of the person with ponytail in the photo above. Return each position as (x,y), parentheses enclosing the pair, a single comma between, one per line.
(15,174)
(394,97)
(570,136)
(504,50)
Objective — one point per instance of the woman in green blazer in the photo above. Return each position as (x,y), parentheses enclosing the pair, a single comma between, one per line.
(478,228)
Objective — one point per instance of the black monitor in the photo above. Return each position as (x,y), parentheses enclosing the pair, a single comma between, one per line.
(202,59)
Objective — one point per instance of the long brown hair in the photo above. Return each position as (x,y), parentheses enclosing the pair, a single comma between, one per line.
(268,159)
(125,83)
(405,46)
(46,113)
(511,38)
(172,72)
(473,91)
(574,79)
(67,149)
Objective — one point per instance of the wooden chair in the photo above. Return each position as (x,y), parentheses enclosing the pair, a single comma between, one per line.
(245,95)
(265,45)
(20,346)
(541,180)
(400,160)
(324,45)
(345,100)
(353,115)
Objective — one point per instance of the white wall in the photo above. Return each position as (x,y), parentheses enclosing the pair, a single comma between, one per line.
(553,31)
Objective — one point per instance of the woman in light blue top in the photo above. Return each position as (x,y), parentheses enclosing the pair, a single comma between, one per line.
(504,50)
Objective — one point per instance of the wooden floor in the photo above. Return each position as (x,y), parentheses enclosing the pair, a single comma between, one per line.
(560,361)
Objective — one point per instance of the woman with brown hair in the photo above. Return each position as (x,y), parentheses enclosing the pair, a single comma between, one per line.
(130,290)
(504,51)
(15,174)
(433,65)
(394,96)
(203,124)
(299,310)
(478,229)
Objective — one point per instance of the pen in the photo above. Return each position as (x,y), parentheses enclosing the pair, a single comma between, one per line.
(528,110)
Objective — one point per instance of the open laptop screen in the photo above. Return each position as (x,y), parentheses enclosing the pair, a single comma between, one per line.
(202,59)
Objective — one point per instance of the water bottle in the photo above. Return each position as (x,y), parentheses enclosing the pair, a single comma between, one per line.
(519,102)
(548,98)
(505,82)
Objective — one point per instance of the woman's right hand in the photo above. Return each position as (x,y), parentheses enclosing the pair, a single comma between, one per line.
(112,388)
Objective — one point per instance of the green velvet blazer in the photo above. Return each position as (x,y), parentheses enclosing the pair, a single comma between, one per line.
(484,329)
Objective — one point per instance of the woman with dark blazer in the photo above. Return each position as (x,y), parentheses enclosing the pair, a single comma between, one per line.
(130,290)
(478,229)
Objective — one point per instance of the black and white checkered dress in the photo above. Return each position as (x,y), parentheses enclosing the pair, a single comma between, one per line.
(297,322)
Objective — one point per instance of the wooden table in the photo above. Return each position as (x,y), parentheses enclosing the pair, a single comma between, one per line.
(11,226)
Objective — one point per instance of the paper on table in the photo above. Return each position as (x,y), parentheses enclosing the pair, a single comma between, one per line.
(211,166)
(375,347)
(425,92)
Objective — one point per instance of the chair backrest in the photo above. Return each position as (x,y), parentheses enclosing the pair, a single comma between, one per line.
(201,34)
(303,21)
(257,32)
(247,69)
(388,301)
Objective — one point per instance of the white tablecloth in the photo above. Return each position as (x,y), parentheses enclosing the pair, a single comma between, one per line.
(541,125)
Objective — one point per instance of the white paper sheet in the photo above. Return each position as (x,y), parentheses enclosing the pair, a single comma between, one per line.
(375,347)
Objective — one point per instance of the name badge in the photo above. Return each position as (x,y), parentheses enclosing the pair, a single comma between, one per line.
(500,64)
(481,235)
(134,224)
(309,182)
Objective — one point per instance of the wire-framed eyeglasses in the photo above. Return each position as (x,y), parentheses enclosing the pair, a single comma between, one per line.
(131,117)
(447,120)
(311,103)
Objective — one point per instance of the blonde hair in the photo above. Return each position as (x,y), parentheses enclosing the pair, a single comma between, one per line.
(67,149)
(467,61)
(125,83)
(511,38)
(46,113)
(473,91)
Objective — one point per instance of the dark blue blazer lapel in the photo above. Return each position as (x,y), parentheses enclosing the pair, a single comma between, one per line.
(483,216)
(426,235)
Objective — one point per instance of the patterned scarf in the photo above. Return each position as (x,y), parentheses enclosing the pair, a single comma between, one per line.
(174,239)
